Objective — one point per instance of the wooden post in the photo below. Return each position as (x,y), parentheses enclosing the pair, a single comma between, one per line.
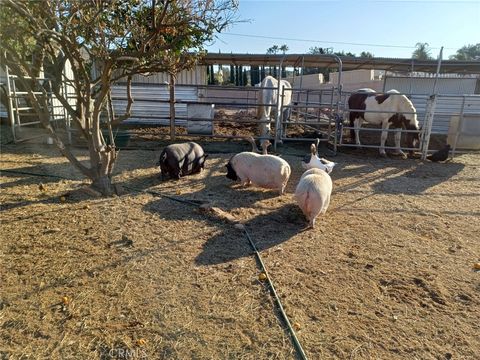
(172,106)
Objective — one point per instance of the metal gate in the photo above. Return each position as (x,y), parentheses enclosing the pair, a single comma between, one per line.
(22,114)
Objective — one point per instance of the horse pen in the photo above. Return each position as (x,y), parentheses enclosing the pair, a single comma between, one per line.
(166,269)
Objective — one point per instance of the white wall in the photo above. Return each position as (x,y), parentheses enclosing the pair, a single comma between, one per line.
(312,81)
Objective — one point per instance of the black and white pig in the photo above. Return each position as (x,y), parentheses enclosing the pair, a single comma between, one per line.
(178,160)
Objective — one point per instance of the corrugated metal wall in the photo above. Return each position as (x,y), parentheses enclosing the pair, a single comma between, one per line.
(151,104)
(448,106)
(196,76)
(424,85)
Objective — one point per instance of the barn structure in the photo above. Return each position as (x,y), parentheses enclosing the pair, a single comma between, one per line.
(317,110)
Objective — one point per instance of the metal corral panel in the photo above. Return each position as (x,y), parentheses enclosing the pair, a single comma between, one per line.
(464,132)
(151,104)
(446,107)
(424,85)
(3,84)
(68,91)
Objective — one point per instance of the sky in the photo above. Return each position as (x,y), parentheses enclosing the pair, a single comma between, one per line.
(384,28)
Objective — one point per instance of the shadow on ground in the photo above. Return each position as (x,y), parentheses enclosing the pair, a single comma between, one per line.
(231,243)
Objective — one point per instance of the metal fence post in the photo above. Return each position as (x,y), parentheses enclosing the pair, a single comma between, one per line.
(278,117)
(10,104)
(427,125)
(172,107)
(459,127)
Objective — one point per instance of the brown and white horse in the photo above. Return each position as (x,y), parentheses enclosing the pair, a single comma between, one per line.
(367,105)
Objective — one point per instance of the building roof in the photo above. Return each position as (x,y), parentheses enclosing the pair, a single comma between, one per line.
(348,63)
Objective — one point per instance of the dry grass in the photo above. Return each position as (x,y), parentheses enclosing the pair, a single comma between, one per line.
(386,275)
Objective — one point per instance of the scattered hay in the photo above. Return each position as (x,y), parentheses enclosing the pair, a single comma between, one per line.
(384,275)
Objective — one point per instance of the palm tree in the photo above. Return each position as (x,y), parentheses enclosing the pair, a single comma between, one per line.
(272,50)
(422,52)
(284,48)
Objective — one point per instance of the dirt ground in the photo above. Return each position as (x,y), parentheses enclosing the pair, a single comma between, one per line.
(387,274)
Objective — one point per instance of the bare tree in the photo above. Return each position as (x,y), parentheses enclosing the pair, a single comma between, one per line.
(104,41)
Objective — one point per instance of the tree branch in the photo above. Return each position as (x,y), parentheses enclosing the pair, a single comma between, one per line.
(128,109)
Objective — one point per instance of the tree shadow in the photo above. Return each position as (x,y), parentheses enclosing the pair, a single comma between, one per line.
(209,186)
(39,173)
(232,243)
(391,175)
(267,230)
(419,178)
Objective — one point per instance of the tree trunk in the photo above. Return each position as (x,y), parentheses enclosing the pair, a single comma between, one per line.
(102,159)
(103,184)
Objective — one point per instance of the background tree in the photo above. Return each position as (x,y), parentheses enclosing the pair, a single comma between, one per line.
(254,74)
(273,49)
(317,50)
(343,53)
(244,77)
(210,75)
(422,52)
(232,74)
(467,52)
(238,78)
(366,54)
(117,38)
(272,70)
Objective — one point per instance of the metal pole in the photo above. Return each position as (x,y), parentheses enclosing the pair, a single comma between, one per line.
(439,64)
(10,104)
(17,123)
(299,94)
(411,77)
(66,115)
(339,99)
(172,106)
(427,125)
(384,80)
(278,117)
(459,127)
